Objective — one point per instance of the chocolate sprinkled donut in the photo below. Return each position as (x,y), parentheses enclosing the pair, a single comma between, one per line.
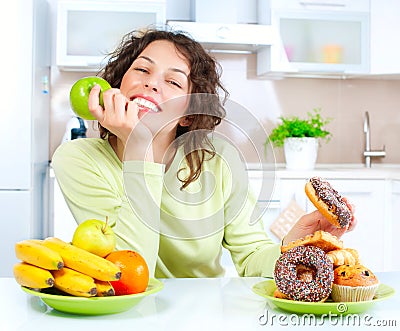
(335,205)
(289,282)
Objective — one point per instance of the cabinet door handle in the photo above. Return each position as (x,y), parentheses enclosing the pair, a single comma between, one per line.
(321,4)
(223,32)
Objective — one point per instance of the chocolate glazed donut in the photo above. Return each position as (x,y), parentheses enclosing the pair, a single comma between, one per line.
(288,277)
(329,202)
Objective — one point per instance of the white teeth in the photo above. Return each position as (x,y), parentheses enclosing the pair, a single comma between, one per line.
(146,104)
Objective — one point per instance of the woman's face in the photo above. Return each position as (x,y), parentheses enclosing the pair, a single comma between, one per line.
(159,74)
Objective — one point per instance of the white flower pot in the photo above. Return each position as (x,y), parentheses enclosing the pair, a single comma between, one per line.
(300,153)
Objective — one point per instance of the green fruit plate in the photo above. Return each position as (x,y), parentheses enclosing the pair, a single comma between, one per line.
(266,289)
(95,305)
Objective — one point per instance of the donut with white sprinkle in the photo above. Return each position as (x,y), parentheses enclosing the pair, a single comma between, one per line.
(288,270)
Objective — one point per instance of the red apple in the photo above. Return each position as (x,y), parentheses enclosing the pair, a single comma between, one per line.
(79,95)
(94,236)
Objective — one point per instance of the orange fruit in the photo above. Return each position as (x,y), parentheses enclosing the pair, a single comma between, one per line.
(134,272)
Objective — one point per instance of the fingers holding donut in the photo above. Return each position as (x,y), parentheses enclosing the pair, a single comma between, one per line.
(308,224)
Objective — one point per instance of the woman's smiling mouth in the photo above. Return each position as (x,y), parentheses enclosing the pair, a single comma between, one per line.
(146,105)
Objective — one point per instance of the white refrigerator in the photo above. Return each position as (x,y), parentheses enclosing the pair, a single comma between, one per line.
(24,125)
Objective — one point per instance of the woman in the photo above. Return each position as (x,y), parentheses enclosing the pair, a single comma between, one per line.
(171,190)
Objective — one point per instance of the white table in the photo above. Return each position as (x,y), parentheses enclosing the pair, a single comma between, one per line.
(183,304)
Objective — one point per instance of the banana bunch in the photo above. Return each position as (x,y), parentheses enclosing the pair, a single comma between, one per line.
(73,270)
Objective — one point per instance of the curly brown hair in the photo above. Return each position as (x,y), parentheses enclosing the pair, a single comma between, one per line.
(205,109)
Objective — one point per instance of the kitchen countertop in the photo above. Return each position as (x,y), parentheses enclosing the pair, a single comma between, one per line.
(336,171)
(183,304)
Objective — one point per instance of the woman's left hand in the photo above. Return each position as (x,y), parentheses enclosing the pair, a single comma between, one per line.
(315,221)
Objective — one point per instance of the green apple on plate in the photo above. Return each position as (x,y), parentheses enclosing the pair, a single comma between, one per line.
(79,95)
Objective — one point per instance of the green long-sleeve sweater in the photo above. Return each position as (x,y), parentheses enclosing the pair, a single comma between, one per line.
(180,233)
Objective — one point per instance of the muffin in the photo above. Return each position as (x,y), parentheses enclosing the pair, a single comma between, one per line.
(353,283)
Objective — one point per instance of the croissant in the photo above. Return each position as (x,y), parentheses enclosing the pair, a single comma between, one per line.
(343,256)
(324,240)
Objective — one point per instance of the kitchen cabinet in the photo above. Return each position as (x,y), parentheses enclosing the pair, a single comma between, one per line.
(385,49)
(394,229)
(316,38)
(333,39)
(83,40)
(264,185)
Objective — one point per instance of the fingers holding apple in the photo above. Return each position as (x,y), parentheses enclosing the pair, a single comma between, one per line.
(118,114)
(95,236)
(95,107)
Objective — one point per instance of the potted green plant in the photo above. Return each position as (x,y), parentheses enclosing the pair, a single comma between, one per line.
(300,138)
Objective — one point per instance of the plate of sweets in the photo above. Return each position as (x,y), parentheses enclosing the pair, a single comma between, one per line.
(317,274)
(267,289)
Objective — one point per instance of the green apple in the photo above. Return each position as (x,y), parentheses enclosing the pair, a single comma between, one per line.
(79,95)
(95,236)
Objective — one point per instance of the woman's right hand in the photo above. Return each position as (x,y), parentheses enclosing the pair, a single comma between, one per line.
(120,117)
